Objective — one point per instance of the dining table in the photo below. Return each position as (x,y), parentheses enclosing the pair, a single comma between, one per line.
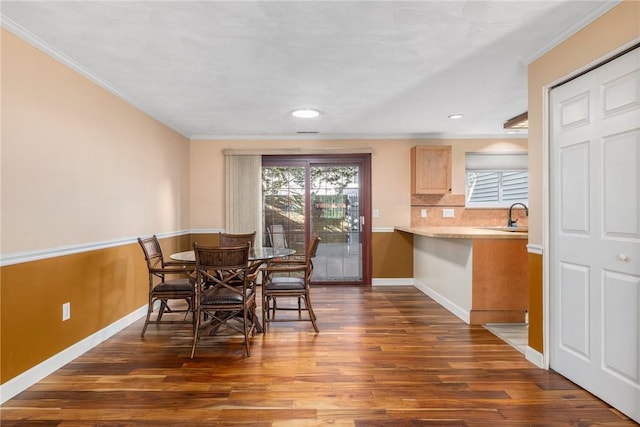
(257,256)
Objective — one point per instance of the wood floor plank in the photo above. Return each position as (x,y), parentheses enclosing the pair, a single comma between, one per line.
(385,356)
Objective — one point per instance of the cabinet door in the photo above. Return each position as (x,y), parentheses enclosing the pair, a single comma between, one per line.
(431,169)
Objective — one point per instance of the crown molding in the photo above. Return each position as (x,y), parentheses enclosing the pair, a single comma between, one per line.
(595,13)
(359,136)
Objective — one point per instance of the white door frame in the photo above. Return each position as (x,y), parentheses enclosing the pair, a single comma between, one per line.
(546,208)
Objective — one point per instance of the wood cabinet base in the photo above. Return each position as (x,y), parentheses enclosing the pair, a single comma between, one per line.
(500,281)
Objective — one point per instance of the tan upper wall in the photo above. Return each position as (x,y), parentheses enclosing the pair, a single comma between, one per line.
(79,164)
(390,164)
(618,28)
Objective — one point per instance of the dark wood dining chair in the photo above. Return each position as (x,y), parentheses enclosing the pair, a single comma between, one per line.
(277,237)
(162,288)
(225,295)
(236,239)
(289,278)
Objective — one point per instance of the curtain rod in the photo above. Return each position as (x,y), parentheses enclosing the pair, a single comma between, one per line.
(294,150)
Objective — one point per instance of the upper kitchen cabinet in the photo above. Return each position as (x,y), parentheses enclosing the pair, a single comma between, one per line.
(431,169)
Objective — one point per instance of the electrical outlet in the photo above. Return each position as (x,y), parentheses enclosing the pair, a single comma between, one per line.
(423,213)
(66,311)
(448,213)
(376,213)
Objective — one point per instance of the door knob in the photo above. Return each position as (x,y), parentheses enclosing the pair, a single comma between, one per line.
(623,258)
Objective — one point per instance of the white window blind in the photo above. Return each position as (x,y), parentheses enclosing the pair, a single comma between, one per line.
(496,179)
(244,195)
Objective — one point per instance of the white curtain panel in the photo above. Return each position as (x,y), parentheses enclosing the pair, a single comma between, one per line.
(244,195)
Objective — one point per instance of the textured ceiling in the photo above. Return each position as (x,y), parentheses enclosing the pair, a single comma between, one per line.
(373,68)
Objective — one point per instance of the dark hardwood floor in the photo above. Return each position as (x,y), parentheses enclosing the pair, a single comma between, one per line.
(385,356)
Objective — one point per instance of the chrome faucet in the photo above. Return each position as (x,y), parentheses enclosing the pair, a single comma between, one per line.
(514,222)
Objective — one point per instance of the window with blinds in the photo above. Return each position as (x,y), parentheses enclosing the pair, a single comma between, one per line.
(496,179)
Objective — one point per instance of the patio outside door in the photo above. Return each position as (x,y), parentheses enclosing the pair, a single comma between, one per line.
(329,196)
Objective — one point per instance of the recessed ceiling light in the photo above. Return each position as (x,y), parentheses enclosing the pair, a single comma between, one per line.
(305,113)
(455,116)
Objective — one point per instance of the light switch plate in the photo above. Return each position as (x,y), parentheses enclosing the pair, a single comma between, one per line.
(66,311)
(376,213)
(448,213)
(423,213)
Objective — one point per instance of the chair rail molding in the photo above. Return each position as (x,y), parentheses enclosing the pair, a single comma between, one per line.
(38,254)
(534,249)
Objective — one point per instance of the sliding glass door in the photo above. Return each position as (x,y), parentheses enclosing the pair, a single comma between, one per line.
(328,196)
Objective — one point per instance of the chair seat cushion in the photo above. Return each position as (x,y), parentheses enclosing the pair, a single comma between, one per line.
(174,285)
(220,296)
(285,284)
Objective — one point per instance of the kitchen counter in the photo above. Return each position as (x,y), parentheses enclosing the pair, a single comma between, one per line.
(479,274)
(488,232)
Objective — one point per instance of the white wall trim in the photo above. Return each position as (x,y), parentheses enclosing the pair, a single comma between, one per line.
(464,315)
(392,282)
(383,230)
(206,230)
(57,361)
(535,357)
(534,249)
(26,256)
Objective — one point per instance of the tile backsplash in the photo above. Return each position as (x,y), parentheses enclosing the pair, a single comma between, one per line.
(436,203)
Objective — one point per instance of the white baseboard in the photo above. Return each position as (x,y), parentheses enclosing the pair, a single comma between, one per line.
(534,357)
(392,282)
(461,313)
(52,364)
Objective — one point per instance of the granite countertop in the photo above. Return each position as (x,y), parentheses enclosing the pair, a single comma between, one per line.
(445,232)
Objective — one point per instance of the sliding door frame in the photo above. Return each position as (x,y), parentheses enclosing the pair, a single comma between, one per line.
(363,161)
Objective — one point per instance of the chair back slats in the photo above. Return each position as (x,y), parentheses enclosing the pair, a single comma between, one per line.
(276,236)
(231,239)
(152,251)
(214,257)
(222,265)
(312,250)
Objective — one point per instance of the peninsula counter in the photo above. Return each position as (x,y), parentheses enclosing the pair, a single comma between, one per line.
(478,273)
